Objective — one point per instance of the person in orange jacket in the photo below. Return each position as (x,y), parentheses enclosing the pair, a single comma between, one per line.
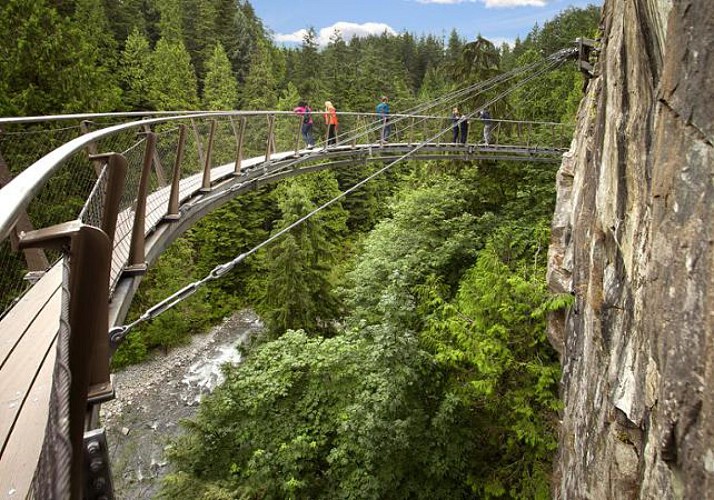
(331,122)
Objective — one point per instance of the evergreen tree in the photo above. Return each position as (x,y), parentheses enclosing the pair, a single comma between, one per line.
(220,90)
(259,89)
(172,81)
(298,287)
(338,72)
(135,70)
(170,24)
(129,15)
(308,73)
(91,17)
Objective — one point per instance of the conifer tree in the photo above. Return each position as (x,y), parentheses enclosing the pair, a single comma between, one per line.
(308,73)
(338,72)
(259,89)
(298,289)
(135,70)
(172,81)
(220,91)
(170,22)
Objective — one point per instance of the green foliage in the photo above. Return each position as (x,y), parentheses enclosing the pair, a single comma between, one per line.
(135,69)
(172,80)
(491,342)
(48,64)
(297,291)
(429,232)
(261,83)
(220,91)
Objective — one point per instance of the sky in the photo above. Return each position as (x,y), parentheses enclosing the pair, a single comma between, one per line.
(498,20)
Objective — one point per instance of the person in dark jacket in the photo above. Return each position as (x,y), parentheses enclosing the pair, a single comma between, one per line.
(463,129)
(455,124)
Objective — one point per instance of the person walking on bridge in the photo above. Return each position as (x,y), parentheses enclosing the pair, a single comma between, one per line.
(383,112)
(487,125)
(455,124)
(305,112)
(463,128)
(331,122)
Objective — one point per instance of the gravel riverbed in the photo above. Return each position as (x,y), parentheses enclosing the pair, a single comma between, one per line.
(152,398)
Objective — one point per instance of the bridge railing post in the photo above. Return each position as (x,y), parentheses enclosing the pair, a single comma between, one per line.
(199,144)
(298,133)
(136,263)
(91,148)
(239,135)
(358,125)
(35,258)
(172,212)
(206,181)
(269,141)
(160,177)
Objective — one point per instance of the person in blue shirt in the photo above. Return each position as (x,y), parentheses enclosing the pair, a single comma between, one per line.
(383,112)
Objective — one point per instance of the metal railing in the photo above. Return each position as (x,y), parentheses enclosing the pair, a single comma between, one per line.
(56,174)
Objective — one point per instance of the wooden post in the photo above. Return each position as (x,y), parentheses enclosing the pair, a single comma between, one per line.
(269,141)
(239,144)
(137,258)
(172,213)
(297,135)
(35,258)
(87,342)
(91,147)
(160,177)
(206,183)
(199,144)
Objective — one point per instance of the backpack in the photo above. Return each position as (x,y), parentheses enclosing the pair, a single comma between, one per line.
(307,116)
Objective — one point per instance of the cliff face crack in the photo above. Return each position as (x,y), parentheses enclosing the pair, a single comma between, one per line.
(701,134)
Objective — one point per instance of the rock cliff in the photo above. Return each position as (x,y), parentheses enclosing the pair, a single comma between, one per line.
(632,240)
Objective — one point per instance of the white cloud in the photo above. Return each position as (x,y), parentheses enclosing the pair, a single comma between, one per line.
(498,41)
(347,30)
(514,3)
(491,3)
(296,37)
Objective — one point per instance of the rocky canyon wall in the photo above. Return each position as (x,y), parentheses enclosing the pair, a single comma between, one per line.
(632,240)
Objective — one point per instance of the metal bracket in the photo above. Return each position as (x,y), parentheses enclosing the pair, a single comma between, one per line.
(98,477)
(136,269)
(586,46)
(33,276)
(101,393)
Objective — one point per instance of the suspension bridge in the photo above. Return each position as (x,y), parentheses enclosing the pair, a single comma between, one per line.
(90,201)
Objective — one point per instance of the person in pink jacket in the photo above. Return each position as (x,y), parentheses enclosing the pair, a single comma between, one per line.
(305,112)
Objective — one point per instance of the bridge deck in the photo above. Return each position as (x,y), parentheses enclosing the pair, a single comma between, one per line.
(28,332)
